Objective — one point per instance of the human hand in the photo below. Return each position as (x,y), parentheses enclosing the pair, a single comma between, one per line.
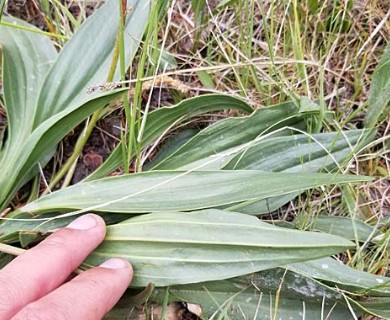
(32,285)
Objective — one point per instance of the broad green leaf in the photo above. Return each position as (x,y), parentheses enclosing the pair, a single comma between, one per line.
(379,99)
(85,59)
(229,133)
(63,98)
(41,141)
(297,153)
(301,152)
(163,119)
(349,228)
(27,57)
(254,297)
(335,273)
(178,190)
(177,248)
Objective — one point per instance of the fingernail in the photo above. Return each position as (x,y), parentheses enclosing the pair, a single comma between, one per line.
(114,264)
(85,222)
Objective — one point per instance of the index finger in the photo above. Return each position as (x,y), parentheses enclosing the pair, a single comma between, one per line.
(43,268)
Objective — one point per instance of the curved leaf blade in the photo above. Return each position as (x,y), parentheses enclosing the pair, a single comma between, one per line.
(301,152)
(335,273)
(297,153)
(159,121)
(27,57)
(349,228)
(41,141)
(230,133)
(85,59)
(179,248)
(178,190)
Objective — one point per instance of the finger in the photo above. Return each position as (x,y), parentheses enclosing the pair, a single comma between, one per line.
(88,296)
(43,268)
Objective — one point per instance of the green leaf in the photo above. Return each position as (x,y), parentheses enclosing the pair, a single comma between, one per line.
(27,57)
(178,248)
(198,7)
(63,100)
(41,141)
(301,152)
(372,291)
(178,190)
(297,153)
(163,119)
(12,231)
(378,101)
(254,297)
(349,228)
(230,133)
(86,58)
(335,273)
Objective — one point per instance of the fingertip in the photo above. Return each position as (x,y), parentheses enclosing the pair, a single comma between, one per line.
(120,265)
(86,222)
(116,263)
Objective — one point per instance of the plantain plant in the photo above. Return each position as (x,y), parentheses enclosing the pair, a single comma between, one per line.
(188,222)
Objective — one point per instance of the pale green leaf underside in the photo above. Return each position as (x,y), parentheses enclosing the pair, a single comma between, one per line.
(337,274)
(297,153)
(178,248)
(179,190)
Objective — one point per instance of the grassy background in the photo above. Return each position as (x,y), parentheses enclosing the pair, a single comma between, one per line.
(266,52)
